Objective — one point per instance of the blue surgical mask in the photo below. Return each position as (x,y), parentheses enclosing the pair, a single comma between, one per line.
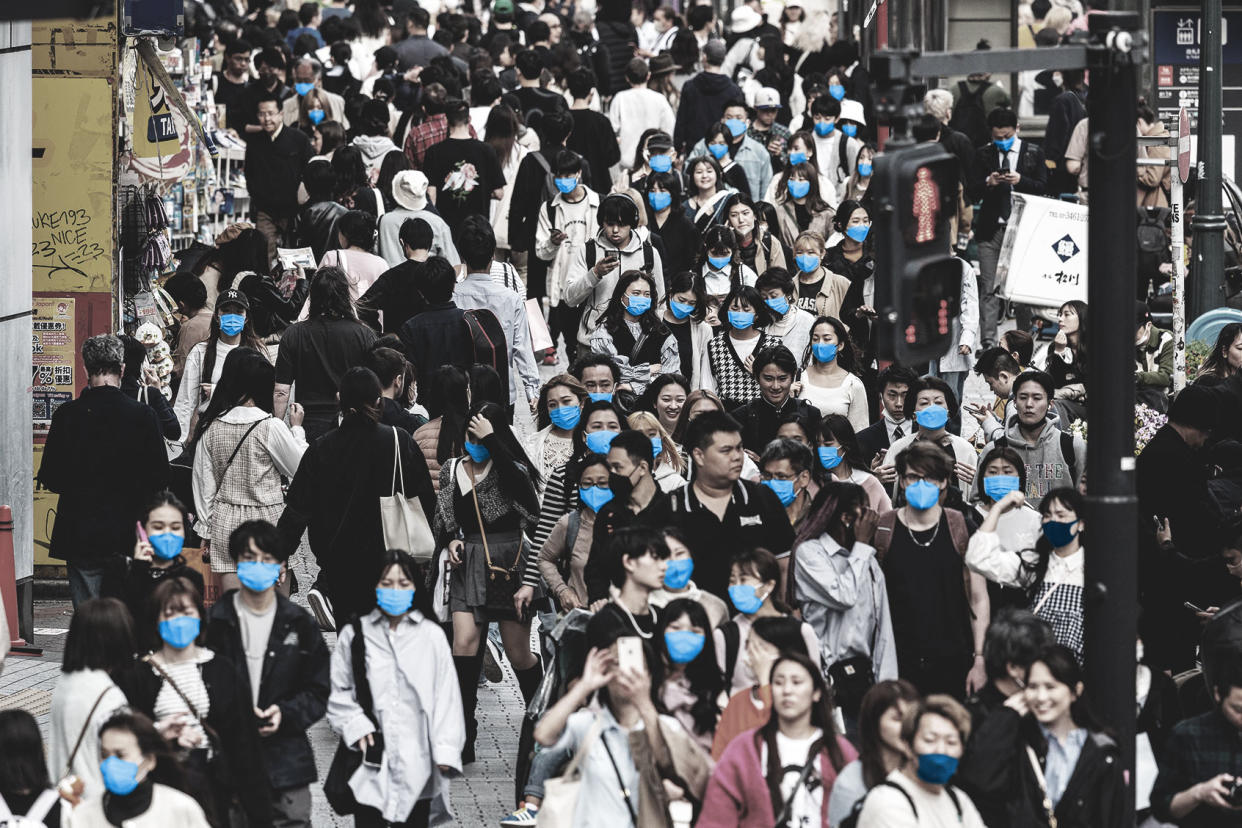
(600,396)
(864,170)
(477,451)
(599,441)
(779,304)
(566,417)
(933,417)
(394,601)
(784,490)
(678,573)
(719,262)
(858,232)
(797,157)
(258,576)
(660,163)
(936,768)
(595,496)
(836,90)
(683,646)
(798,189)
(718,151)
(807,262)
(824,351)
(744,598)
(120,776)
(637,305)
(303,88)
(736,126)
(923,495)
(231,324)
(167,545)
(829,456)
(659,199)
(1004,143)
(316,116)
(657,446)
(850,129)
(999,485)
(180,632)
(824,128)
(566,185)
(741,320)
(1059,533)
(680,309)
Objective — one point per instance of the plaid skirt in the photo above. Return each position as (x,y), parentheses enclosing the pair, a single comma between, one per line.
(226,517)
(469,582)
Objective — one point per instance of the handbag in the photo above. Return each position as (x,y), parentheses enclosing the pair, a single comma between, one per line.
(560,794)
(403,519)
(346,760)
(501,583)
(851,678)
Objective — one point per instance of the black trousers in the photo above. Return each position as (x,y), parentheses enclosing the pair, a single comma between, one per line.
(371,818)
(937,674)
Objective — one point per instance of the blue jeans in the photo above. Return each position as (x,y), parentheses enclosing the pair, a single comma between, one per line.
(547,763)
(85,583)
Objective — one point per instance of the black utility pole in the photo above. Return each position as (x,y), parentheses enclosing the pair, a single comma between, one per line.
(1110,590)
(1208,223)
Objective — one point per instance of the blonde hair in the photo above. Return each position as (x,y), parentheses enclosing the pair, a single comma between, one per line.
(643,420)
(1058,19)
(940,705)
(938,103)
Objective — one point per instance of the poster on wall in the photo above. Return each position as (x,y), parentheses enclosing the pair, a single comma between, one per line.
(54,351)
(44,515)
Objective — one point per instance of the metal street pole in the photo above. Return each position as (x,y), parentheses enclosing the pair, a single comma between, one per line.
(1208,224)
(1110,592)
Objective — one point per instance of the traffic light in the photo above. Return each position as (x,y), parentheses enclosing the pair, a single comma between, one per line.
(918,287)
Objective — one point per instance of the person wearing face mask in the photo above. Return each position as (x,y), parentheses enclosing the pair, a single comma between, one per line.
(791,323)
(721,267)
(754,591)
(933,734)
(157,552)
(820,290)
(933,403)
(830,380)
(564,555)
(631,332)
(565,221)
(666,216)
(785,468)
(558,411)
(1015,528)
(802,203)
(678,581)
(940,609)
(692,681)
(192,694)
(281,658)
(783,772)
(1045,754)
(855,187)
(143,783)
(836,150)
(745,162)
(405,714)
(775,370)
(839,586)
(733,351)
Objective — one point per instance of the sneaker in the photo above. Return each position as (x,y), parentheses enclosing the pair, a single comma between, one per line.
(522,816)
(491,666)
(321,608)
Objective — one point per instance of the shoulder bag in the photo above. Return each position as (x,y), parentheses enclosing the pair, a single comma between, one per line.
(501,583)
(346,761)
(404,521)
(560,797)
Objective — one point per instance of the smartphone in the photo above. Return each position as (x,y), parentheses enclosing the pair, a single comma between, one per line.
(630,653)
(374,754)
(1192,607)
(142,533)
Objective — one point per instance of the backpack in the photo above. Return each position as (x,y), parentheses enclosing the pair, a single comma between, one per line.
(648,256)
(969,115)
(1067,452)
(843,152)
(549,178)
(34,817)
(487,341)
(732,637)
(851,821)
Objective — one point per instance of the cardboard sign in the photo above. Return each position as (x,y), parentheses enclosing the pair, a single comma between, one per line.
(1043,258)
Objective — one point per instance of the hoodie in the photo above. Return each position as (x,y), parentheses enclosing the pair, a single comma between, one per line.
(1047,468)
(373,149)
(703,98)
(582,285)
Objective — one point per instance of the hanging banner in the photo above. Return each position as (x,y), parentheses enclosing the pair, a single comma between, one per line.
(161,137)
(1043,258)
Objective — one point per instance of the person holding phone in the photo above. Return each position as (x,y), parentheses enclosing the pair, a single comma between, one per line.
(415,721)
(485,506)
(160,535)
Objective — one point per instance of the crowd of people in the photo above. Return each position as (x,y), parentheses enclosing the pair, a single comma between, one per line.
(742,572)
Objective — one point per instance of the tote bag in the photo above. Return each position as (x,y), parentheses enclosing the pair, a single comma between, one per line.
(405,523)
(560,798)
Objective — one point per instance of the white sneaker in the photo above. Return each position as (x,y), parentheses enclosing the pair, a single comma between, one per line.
(321,608)
(522,816)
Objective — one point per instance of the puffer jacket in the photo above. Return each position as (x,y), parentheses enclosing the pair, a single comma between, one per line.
(427,438)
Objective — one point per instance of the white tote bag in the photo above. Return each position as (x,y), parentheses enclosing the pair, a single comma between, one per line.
(560,799)
(405,524)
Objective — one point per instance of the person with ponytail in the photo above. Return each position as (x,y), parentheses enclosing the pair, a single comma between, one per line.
(782,773)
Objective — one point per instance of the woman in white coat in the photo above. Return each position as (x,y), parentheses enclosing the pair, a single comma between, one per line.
(416,704)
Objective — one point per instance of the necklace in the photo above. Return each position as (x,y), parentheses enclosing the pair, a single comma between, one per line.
(930,541)
(633,621)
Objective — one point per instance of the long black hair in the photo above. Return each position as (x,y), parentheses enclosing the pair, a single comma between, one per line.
(247,375)
(329,295)
(23,770)
(416,572)
(245,252)
(1064,667)
(1080,350)
(248,338)
(614,316)
(670,182)
(719,237)
(452,387)
(1009,456)
(839,428)
(814,198)
(847,353)
(875,704)
(1068,497)
(834,501)
(519,478)
(683,281)
(703,673)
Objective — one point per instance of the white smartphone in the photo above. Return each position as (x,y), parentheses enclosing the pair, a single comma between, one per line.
(630,653)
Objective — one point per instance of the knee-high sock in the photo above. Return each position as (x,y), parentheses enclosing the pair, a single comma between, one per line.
(528,681)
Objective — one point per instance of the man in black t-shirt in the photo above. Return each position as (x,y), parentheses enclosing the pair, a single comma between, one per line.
(464,173)
(231,83)
(592,136)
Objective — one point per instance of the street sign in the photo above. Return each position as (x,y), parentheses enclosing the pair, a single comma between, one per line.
(1183,144)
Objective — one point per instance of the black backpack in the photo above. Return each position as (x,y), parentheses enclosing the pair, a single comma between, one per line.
(969,115)
(851,821)
(592,252)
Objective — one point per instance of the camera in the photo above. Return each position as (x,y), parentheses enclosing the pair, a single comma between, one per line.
(1234,796)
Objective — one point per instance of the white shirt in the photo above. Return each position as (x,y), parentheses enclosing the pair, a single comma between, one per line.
(807,802)
(255,629)
(189,397)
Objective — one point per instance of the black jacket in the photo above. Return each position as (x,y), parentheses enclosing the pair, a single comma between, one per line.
(997,769)
(433,338)
(273,170)
(105,458)
(760,420)
(170,427)
(1033,180)
(231,716)
(619,37)
(703,99)
(681,240)
(139,580)
(315,226)
(295,677)
(270,310)
(872,440)
(396,294)
(336,493)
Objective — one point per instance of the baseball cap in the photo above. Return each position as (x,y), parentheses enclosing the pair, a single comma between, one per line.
(233,296)
(714,53)
(767,98)
(502,8)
